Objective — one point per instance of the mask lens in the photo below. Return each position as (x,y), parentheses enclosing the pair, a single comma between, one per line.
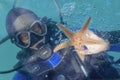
(23,39)
(38,28)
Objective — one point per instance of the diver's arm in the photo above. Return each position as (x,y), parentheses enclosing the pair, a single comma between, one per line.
(112,37)
(21,76)
(57,36)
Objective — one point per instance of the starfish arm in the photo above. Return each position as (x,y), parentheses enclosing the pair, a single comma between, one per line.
(81,56)
(85,26)
(80,51)
(61,46)
(65,30)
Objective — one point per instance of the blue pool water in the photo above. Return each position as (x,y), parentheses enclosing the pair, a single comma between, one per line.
(105,17)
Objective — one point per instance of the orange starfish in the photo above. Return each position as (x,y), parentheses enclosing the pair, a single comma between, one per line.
(81,39)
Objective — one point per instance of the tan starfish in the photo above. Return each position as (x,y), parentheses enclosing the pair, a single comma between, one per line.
(81,39)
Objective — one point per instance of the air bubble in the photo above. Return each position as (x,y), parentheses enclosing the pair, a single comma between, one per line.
(68,8)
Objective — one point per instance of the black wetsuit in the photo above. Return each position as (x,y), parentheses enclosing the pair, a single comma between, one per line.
(98,66)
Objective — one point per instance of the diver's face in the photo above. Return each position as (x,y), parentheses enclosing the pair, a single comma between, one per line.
(31,37)
(24,38)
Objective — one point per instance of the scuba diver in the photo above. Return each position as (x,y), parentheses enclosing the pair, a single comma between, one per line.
(37,37)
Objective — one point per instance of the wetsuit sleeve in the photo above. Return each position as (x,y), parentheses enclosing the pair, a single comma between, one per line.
(21,76)
(56,36)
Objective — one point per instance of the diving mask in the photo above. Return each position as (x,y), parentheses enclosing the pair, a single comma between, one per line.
(23,38)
